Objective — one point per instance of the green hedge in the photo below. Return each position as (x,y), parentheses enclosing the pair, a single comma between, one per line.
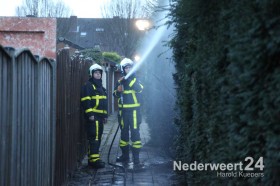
(227,56)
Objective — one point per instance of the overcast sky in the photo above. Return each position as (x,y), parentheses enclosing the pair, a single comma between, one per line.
(80,8)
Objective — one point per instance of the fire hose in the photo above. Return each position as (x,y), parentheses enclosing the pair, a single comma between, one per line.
(108,157)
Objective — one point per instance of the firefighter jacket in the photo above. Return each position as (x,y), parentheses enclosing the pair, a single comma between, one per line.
(131,93)
(94,99)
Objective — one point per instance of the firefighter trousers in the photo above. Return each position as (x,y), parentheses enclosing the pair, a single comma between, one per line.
(130,120)
(94,135)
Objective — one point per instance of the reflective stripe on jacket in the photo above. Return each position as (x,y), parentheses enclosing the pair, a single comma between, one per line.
(94,101)
(131,94)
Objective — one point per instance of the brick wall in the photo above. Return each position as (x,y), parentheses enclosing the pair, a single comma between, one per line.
(36,34)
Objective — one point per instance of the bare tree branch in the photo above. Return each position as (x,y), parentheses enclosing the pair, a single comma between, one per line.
(43,8)
(128,8)
(124,14)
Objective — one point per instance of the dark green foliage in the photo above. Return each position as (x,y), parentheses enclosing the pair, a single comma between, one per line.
(97,56)
(112,56)
(227,56)
(93,53)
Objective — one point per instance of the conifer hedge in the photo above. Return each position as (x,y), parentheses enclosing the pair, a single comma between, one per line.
(227,56)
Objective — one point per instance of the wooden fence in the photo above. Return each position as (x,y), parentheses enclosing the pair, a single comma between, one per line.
(71,139)
(27,118)
(42,131)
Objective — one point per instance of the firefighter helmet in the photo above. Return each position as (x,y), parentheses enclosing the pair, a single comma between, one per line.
(125,62)
(94,68)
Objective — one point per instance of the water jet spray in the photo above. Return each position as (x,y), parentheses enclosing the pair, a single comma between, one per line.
(156,37)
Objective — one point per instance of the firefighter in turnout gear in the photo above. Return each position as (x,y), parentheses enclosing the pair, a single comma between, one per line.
(94,103)
(128,91)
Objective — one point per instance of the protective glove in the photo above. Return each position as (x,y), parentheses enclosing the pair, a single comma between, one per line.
(91,118)
(120,88)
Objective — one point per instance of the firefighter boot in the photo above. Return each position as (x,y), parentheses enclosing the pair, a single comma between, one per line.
(98,164)
(94,160)
(135,153)
(124,158)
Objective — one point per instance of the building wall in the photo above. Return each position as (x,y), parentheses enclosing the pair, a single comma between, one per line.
(36,34)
